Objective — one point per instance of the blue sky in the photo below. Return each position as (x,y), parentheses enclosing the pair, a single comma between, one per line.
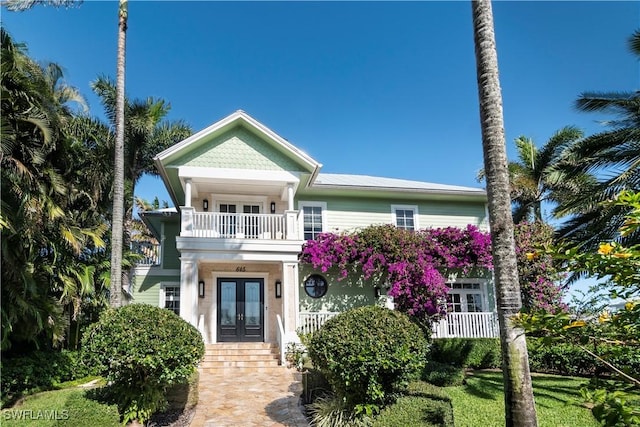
(378,88)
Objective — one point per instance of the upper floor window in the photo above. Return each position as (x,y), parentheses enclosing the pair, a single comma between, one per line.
(312,218)
(466,297)
(405,217)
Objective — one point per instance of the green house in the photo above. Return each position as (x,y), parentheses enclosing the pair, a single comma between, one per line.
(247,200)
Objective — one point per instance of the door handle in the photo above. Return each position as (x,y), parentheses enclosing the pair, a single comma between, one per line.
(240,316)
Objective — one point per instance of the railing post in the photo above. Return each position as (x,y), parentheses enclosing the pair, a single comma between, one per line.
(187,221)
(291,225)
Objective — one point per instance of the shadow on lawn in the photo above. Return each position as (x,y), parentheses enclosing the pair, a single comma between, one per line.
(489,385)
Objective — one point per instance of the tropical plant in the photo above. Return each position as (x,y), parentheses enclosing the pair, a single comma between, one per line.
(413,264)
(50,230)
(620,266)
(117,219)
(539,274)
(519,405)
(613,155)
(535,178)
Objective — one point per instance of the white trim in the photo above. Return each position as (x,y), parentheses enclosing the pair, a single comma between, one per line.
(215,275)
(162,294)
(313,204)
(483,291)
(416,215)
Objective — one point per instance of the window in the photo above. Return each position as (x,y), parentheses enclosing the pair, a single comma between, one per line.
(312,218)
(171,298)
(315,286)
(405,216)
(466,297)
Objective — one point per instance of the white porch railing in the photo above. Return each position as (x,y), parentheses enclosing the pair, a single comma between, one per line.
(312,321)
(237,225)
(467,325)
(455,325)
(150,252)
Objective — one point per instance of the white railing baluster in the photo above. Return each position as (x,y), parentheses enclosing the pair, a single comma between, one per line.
(233,225)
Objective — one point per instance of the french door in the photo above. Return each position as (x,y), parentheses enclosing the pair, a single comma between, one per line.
(240,309)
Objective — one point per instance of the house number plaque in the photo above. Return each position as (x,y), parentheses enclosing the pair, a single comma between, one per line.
(241,268)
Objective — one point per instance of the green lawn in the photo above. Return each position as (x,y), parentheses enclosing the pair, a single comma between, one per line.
(71,407)
(480,402)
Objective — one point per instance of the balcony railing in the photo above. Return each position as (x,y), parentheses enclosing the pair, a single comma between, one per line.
(455,325)
(237,225)
(150,252)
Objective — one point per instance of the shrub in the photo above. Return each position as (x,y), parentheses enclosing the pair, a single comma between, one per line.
(475,353)
(142,350)
(38,371)
(569,359)
(422,406)
(368,353)
(443,375)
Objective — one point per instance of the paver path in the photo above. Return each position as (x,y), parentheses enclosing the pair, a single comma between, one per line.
(241,398)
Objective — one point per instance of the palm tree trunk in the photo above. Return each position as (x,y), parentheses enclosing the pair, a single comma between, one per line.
(115,299)
(518,394)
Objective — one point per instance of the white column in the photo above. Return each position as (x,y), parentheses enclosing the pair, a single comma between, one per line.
(187,192)
(290,296)
(189,290)
(290,196)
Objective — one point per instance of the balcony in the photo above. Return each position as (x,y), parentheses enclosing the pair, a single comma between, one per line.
(455,325)
(239,225)
(149,253)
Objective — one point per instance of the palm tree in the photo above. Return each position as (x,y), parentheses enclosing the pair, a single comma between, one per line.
(146,131)
(536,178)
(614,156)
(518,392)
(117,220)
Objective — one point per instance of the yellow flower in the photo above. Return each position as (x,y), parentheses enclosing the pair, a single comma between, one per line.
(622,255)
(575,324)
(530,256)
(604,317)
(629,306)
(605,249)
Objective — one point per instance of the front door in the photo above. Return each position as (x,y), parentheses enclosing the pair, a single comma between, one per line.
(240,309)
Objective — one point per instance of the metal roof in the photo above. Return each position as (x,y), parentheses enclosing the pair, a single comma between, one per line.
(376,182)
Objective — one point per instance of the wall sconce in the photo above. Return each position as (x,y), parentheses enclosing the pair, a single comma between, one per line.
(273,207)
(205,205)
(278,289)
(201,288)
(376,292)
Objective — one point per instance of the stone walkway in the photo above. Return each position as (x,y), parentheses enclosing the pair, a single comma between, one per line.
(262,398)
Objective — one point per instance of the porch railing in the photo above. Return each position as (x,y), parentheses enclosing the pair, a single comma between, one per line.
(312,321)
(455,325)
(150,252)
(467,325)
(234,225)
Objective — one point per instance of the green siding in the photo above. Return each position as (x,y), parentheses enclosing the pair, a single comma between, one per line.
(146,289)
(350,213)
(237,149)
(341,295)
(170,254)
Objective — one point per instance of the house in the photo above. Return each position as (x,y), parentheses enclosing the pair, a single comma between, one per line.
(248,199)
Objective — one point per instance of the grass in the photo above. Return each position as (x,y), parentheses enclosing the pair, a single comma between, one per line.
(481,403)
(70,407)
(424,405)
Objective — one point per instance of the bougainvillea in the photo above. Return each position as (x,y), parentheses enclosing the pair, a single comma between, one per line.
(538,272)
(412,264)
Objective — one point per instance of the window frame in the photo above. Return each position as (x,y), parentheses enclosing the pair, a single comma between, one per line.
(317,276)
(323,216)
(163,295)
(394,216)
(464,303)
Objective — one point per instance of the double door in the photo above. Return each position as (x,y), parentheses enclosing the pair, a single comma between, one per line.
(240,310)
